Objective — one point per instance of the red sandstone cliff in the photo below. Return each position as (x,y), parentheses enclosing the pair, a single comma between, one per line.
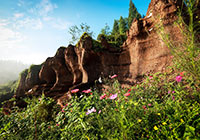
(79,66)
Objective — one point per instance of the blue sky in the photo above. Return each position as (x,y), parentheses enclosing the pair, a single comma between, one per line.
(31,31)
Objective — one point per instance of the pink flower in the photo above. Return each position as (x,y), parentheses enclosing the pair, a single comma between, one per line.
(127,94)
(66,105)
(99,112)
(173,98)
(113,96)
(74,90)
(103,96)
(150,77)
(144,106)
(90,111)
(113,76)
(169,91)
(182,73)
(63,111)
(57,124)
(149,104)
(178,78)
(87,91)
(129,90)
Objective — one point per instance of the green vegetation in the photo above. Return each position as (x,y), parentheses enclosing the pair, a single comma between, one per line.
(76,32)
(133,13)
(7,91)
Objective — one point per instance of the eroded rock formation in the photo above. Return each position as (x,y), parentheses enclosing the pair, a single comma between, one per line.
(80,65)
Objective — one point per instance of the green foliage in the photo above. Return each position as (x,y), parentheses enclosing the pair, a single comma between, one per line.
(122,25)
(133,13)
(157,108)
(76,32)
(105,30)
(186,51)
(115,29)
(7,91)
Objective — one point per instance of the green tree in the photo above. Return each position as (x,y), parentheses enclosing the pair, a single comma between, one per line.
(122,25)
(115,29)
(105,30)
(76,32)
(133,13)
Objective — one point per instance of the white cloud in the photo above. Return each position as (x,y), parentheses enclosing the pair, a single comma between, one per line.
(20,3)
(29,23)
(18,15)
(9,37)
(43,8)
(60,24)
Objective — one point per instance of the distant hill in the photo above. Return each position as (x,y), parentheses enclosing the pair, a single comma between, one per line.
(9,70)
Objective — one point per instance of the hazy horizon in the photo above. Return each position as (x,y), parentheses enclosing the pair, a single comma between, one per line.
(31,31)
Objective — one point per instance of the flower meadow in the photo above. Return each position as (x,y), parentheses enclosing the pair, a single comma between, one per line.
(159,107)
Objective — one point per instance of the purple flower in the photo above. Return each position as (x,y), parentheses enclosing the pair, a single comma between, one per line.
(90,111)
(113,96)
(173,91)
(169,91)
(173,98)
(178,78)
(99,112)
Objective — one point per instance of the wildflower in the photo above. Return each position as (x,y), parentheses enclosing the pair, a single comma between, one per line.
(87,91)
(74,90)
(135,104)
(182,73)
(90,111)
(57,124)
(49,127)
(155,127)
(164,123)
(149,104)
(63,111)
(129,90)
(171,56)
(144,106)
(182,120)
(178,78)
(66,105)
(113,96)
(91,93)
(159,114)
(139,120)
(169,91)
(114,76)
(173,98)
(87,137)
(127,94)
(100,80)
(99,112)
(103,96)
(173,91)
(150,77)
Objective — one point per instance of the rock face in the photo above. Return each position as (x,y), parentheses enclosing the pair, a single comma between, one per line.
(80,65)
